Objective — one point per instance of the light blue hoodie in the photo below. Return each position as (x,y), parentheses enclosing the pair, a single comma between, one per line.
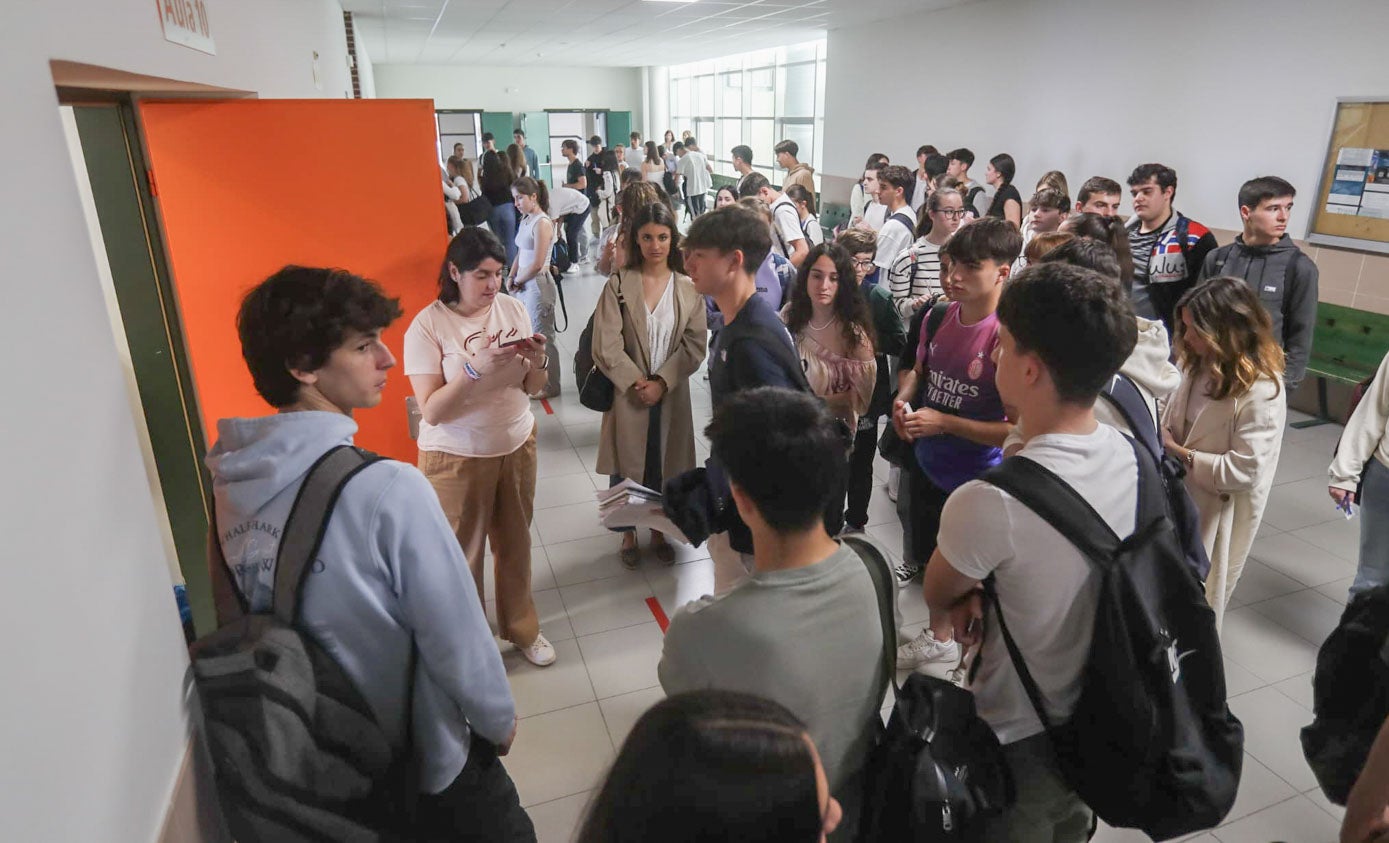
(389,566)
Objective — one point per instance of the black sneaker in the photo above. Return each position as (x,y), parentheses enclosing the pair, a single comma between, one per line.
(905,573)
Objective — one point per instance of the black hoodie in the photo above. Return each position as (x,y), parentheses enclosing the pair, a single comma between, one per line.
(1286,282)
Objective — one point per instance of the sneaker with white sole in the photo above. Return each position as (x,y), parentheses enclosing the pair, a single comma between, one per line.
(540,653)
(924,649)
(905,573)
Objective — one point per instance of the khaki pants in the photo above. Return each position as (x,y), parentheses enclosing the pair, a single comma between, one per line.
(1046,809)
(493,499)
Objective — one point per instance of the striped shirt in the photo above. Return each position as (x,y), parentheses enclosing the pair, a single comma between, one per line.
(913,274)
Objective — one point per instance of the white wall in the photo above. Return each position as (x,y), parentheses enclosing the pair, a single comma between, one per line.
(1220,91)
(92,724)
(366,69)
(515,89)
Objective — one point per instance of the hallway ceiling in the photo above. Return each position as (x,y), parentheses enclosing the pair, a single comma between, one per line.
(620,33)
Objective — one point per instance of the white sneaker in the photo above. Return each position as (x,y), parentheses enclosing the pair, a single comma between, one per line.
(924,649)
(540,653)
(894,480)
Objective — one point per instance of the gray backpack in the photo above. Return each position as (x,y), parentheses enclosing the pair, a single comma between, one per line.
(297,753)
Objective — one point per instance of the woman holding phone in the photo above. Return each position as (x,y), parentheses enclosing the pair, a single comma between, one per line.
(648,337)
(473,360)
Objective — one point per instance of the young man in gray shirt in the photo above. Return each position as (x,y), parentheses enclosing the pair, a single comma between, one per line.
(804,629)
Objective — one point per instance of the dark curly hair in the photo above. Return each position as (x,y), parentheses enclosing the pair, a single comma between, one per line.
(299,316)
(850,306)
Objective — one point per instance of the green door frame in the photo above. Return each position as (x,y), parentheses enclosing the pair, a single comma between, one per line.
(117,172)
(501,124)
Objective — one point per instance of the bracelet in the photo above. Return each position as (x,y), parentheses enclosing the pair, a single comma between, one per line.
(471,372)
(543,366)
(1190,459)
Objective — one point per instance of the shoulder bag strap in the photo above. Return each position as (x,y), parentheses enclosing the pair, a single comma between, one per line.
(877,566)
(308,521)
(1124,396)
(928,331)
(227,599)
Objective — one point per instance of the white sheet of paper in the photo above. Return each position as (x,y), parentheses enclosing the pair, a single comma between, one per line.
(1352,156)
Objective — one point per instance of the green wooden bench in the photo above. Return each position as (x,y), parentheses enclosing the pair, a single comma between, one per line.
(1347,347)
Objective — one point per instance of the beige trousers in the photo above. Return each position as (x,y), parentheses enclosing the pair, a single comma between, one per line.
(492,499)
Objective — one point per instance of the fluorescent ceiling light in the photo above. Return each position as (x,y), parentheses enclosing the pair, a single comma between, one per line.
(671,1)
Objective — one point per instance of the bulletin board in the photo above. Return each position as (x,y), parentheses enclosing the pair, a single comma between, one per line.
(1352,207)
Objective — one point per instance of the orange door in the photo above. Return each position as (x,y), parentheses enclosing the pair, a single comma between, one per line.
(247,186)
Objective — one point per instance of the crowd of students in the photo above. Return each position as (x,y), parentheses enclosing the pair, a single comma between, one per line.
(979,326)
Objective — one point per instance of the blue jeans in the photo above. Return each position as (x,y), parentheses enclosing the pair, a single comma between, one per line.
(1374,528)
(502,221)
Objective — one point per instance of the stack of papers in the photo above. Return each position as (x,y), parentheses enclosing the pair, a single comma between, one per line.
(630,504)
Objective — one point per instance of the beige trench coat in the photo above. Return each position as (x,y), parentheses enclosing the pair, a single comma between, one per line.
(1237,443)
(620,352)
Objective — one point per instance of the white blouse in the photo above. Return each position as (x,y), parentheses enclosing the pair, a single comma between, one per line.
(660,327)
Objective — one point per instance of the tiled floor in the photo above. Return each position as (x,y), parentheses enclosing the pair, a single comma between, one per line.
(576,713)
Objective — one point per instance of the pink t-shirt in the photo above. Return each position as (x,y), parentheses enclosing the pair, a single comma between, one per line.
(958,379)
(496,418)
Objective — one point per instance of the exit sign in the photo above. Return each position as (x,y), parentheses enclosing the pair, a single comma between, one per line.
(185,22)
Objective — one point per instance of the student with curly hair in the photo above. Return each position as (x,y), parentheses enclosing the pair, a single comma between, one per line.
(391,591)
(828,318)
(1225,422)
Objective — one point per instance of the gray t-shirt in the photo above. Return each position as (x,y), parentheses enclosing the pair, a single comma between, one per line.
(1141,247)
(809,638)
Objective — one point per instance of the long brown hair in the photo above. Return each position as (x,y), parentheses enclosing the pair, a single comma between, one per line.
(850,306)
(1107,230)
(657,213)
(497,174)
(1227,315)
(517,160)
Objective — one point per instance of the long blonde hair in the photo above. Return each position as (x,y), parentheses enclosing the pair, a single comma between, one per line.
(1227,315)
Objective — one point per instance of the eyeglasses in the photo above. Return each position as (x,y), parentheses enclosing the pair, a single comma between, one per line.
(952,214)
(864,263)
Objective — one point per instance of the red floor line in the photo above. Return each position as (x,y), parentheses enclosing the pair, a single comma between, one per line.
(657,612)
(545,402)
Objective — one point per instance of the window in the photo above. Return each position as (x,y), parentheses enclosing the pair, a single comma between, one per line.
(756,99)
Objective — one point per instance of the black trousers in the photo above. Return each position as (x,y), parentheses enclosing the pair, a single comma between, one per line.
(860,482)
(919,505)
(573,231)
(697,203)
(481,806)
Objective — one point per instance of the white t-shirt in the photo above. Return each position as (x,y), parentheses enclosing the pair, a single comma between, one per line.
(874,215)
(693,167)
(496,418)
(893,238)
(786,223)
(814,232)
(919,191)
(567,200)
(1047,590)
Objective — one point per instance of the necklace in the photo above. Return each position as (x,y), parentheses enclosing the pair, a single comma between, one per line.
(815,327)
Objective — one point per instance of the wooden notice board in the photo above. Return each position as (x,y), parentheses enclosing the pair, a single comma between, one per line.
(1352,207)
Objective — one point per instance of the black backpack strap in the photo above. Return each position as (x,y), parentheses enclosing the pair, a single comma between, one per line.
(1055,502)
(878,570)
(308,521)
(1183,234)
(1125,397)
